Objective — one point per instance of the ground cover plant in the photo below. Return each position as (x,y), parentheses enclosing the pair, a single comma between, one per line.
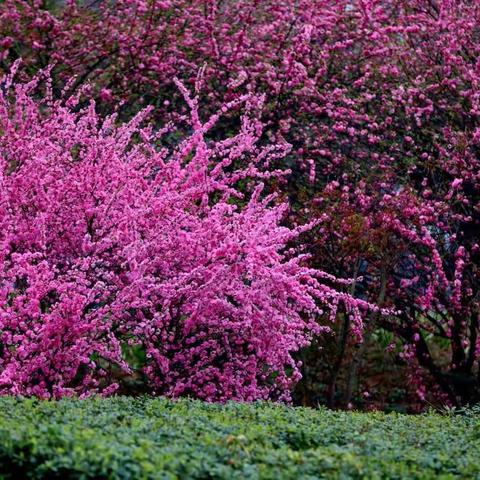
(155,438)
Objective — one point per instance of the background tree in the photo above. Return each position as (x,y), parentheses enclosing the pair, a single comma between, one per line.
(379,100)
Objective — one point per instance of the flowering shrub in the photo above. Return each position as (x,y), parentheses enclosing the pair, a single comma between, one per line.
(379,100)
(111,241)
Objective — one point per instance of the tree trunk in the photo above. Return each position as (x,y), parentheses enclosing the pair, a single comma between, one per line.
(352,378)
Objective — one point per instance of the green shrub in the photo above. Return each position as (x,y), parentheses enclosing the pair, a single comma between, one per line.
(145,438)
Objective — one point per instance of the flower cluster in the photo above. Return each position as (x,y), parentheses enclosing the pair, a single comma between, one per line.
(111,241)
(380,102)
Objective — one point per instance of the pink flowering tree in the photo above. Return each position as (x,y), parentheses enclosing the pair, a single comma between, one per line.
(111,241)
(400,204)
(379,101)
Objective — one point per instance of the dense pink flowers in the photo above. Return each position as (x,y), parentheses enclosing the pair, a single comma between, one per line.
(380,102)
(110,241)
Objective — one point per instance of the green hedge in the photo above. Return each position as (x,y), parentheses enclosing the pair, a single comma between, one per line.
(155,438)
